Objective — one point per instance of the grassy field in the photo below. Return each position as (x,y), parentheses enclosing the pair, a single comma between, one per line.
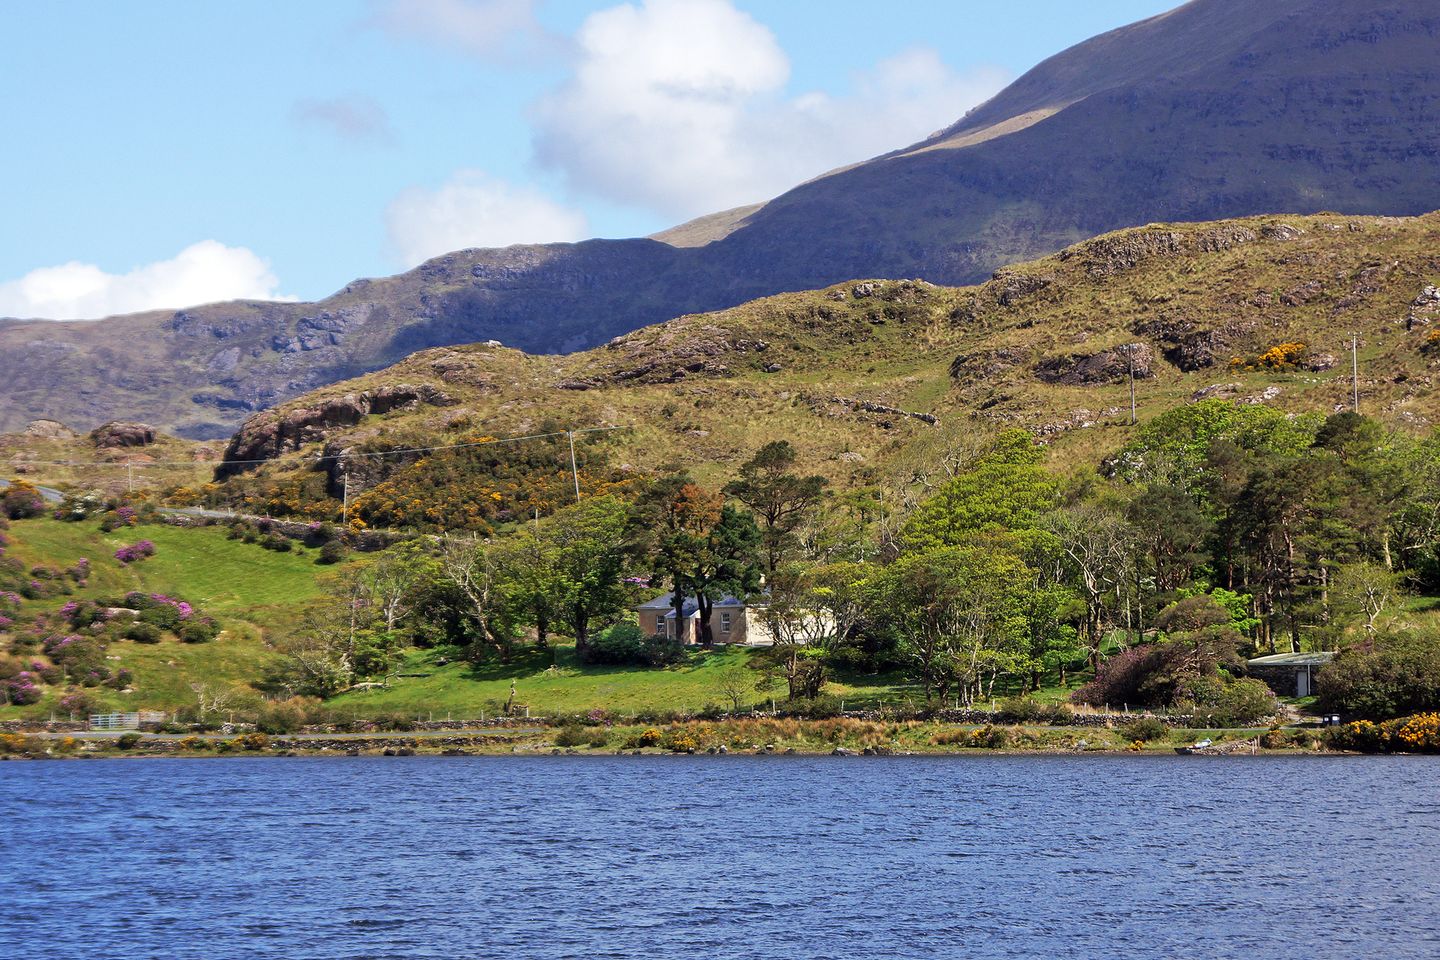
(552,681)
(251,591)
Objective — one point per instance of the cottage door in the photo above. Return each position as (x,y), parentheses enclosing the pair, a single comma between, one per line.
(1302,683)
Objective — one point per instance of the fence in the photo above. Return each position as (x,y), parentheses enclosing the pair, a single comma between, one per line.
(124,721)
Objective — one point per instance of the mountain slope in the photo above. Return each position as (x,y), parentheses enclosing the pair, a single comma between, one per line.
(1218,109)
(874,379)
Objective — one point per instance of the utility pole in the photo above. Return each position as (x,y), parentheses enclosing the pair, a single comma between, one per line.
(574,470)
(1355,370)
(130,474)
(1130,365)
(345,503)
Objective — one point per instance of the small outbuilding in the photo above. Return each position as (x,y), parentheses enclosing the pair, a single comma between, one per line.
(1289,674)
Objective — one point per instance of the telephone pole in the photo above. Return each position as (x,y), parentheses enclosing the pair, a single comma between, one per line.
(574,470)
(1130,366)
(1355,371)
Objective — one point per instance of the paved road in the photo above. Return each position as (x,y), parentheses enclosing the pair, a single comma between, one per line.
(49,494)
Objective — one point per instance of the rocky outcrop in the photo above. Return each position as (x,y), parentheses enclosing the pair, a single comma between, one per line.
(49,430)
(1191,346)
(269,435)
(117,434)
(1110,255)
(985,363)
(1107,366)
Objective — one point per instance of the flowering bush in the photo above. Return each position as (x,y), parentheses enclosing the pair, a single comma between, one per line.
(77,701)
(135,552)
(21,689)
(1419,733)
(21,500)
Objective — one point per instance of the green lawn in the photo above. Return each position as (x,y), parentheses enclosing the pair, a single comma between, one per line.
(553,681)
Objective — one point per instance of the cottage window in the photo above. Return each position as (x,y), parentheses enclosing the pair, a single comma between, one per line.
(660,625)
(724,623)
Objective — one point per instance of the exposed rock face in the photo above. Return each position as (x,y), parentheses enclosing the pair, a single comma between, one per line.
(1190,346)
(986,363)
(1107,366)
(116,434)
(268,435)
(49,430)
(1109,255)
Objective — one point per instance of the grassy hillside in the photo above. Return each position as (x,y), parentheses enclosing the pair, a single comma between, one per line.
(847,373)
(250,590)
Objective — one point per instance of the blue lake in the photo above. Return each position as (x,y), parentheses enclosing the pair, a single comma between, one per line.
(721,857)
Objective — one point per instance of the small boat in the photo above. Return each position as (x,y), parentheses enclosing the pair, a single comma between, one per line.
(1193,748)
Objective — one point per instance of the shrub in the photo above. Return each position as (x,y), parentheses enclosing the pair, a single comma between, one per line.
(815,708)
(990,737)
(1144,730)
(277,542)
(1240,703)
(572,735)
(193,743)
(282,716)
(627,644)
(135,552)
(650,737)
(142,632)
(254,741)
(599,739)
(21,500)
(199,630)
(332,551)
(1398,675)
(683,743)
(127,741)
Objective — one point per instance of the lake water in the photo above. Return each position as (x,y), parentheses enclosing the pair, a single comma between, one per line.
(721,857)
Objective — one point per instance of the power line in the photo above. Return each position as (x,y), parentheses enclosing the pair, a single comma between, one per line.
(320,459)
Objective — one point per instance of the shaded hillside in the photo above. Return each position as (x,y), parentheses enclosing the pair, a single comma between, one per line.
(874,379)
(1220,108)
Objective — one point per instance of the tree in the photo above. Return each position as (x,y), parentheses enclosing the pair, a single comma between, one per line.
(1096,548)
(734,682)
(1364,591)
(1006,490)
(470,566)
(1172,532)
(957,614)
(801,613)
(589,562)
(704,548)
(781,500)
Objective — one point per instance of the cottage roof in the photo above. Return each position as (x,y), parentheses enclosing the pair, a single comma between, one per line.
(1293,660)
(691,607)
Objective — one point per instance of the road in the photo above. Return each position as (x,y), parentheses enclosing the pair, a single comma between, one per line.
(49,494)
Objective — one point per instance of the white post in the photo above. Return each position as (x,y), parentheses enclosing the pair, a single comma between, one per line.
(574,470)
(1355,369)
(345,503)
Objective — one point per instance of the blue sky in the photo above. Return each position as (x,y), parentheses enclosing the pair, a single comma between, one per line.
(159,153)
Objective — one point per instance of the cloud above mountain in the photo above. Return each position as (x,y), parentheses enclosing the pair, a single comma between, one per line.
(500,30)
(354,119)
(203,272)
(680,107)
(473,209)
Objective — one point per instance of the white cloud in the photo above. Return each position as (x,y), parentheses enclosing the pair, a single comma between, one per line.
(679,106)
(355,118)
(204,272)
(473,209)
(504,30)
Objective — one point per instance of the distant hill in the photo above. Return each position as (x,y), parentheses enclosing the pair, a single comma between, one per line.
(1218,109)
(875,379)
